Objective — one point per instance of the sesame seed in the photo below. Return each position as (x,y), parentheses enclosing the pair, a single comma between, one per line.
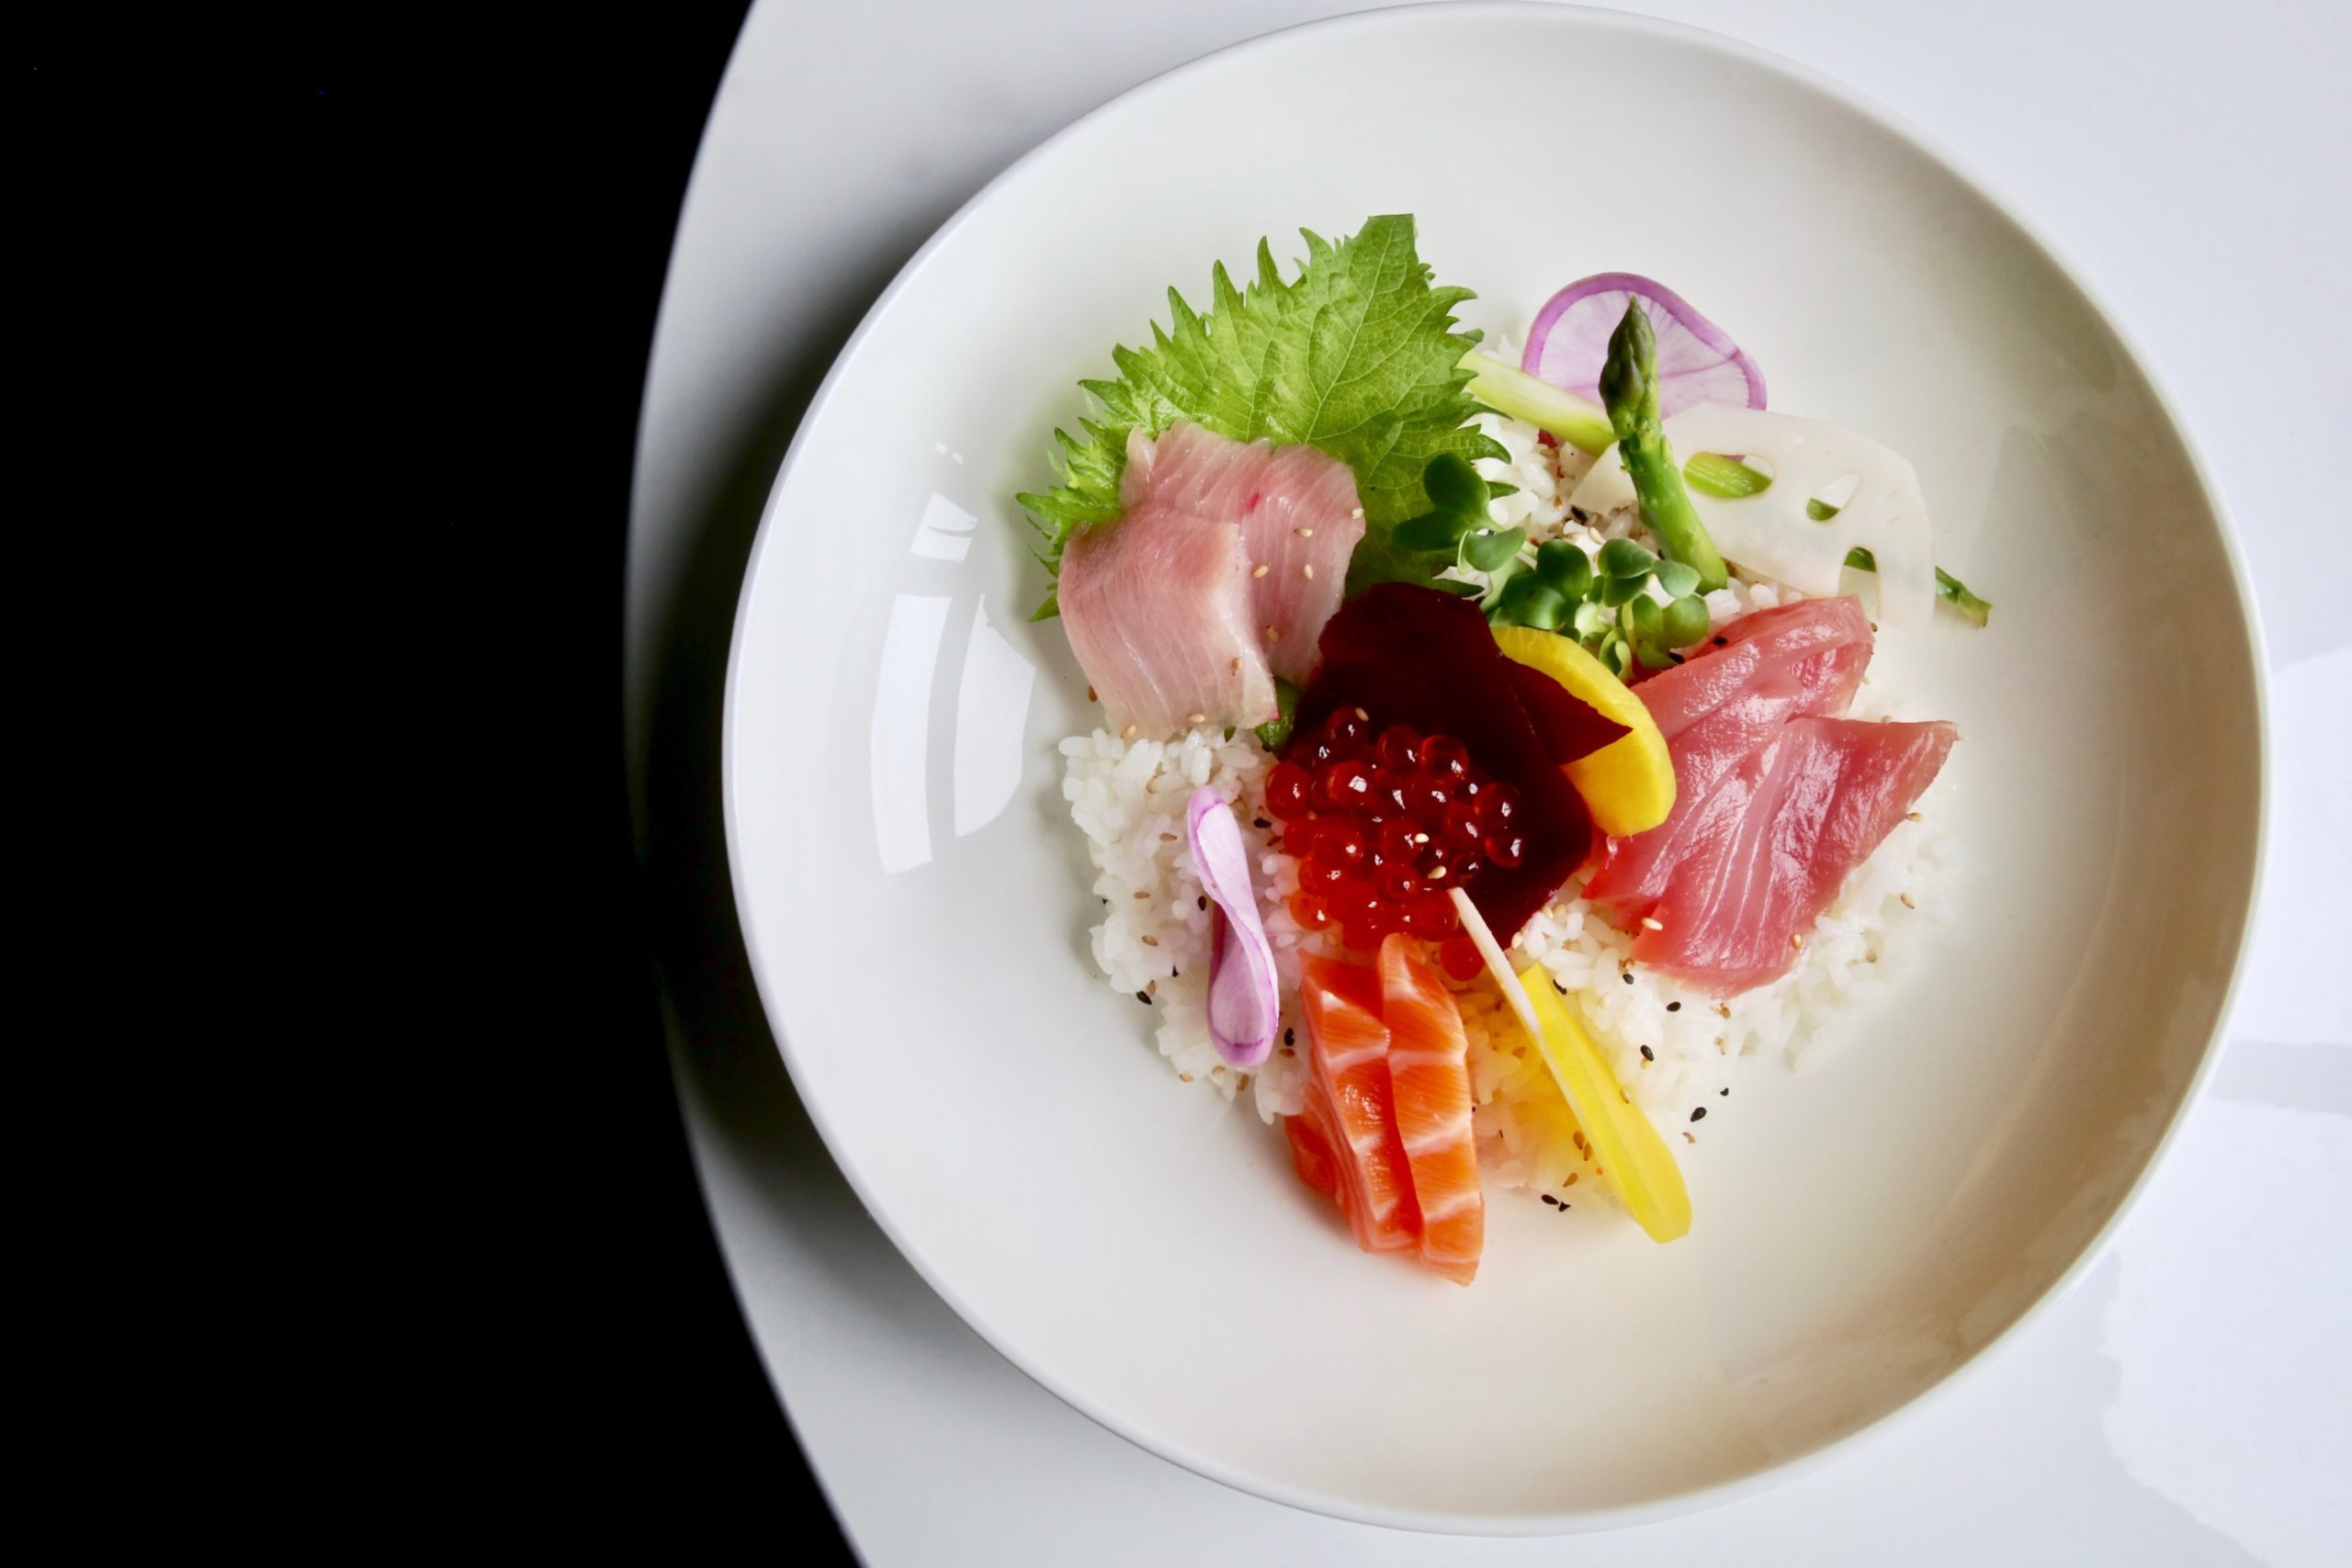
(1651,922)
(1627,976)
(1796,939)
(1916,816)
(1151,941)
(1723,1009)
(1237,664)
(1310,569)
(1091,696)
(1700,1114)
(1648,1055)
(1870,957)
(1357,512)
(1274,634)
(1197,718)
(1722,642)
(1290,1037)
(1141,894)
(1687,1138)
(1261,569)
(1571,1181)
(1674,1007)
(1548,1198)
(1167,838)
(1259,823)
(1184,1078)
(1420,837)
(1908,902)
(1202,900)
(1307,533)
(1363,715)
(1144,997)
(1724,1091)
(1437,874)
(1128,733)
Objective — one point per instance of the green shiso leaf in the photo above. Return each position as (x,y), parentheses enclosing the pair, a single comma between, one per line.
(1356,356)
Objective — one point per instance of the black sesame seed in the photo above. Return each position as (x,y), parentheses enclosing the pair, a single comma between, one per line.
(1259,823)
(1726,1093)
(1722,642)
(1646,1056)
(1290,1037)
(1175,973)
(1559,988)
(1674,1007)
(1144,997)
(1549,1199)
(1700,1114)
(1628,976)
(1202,900)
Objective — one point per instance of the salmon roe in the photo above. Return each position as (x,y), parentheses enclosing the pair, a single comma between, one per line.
(1384,825)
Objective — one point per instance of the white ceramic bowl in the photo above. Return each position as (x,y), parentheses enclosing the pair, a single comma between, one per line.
(916,902)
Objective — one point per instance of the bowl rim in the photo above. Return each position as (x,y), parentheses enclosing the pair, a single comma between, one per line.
(1963,1372)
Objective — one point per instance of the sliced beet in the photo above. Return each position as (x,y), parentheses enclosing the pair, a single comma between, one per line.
(1570,727)
(1416,655)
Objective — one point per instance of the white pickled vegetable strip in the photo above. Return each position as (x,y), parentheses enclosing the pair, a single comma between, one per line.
(1771,535)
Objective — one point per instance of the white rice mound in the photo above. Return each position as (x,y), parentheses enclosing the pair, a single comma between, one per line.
(1129,796)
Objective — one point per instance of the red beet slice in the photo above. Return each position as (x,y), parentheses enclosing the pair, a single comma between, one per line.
(1570,727)
(1416,655)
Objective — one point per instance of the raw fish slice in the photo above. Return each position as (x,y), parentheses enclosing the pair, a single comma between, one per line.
(1428,1076)
(1716,711)
(1300,518)
(1829,792)
(1157,606)
(1312,1145)
(1350,1047)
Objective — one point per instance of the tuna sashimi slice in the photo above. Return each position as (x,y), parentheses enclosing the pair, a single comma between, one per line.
(1817,800)
(1429,1078)
(1717,711)
(1348,1043)
(1299,517)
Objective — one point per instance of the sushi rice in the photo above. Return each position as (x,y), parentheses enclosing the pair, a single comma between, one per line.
(1128,798)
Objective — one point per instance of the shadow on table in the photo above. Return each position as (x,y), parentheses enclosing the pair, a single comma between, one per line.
(727,1054)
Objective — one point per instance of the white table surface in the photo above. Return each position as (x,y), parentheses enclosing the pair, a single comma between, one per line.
(2191,1402)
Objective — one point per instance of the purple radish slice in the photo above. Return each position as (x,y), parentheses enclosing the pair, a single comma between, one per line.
(1245,1007)
(1697,361)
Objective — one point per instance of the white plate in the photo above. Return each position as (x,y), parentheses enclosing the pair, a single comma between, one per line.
(916,903)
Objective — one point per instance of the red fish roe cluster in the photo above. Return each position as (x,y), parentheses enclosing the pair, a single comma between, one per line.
(1383,826)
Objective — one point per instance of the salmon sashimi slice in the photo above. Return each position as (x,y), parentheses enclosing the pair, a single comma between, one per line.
(1816,802)
(1348,1043)
(1717,711)
(1312,1143)
(1300,518)
(1428,1076)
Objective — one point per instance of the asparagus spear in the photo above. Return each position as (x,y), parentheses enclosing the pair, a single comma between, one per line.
(1629,388)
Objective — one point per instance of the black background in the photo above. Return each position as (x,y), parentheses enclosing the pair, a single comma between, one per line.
(339,330)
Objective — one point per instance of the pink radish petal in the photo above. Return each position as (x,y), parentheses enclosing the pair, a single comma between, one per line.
(1245,1008)
(1697,361)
